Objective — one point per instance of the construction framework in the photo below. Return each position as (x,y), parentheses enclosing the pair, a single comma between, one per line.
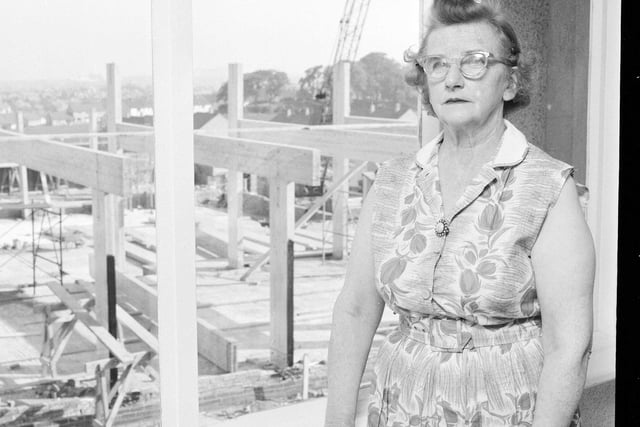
(262,148)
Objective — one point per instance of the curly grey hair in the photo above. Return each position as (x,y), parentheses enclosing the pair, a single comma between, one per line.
(451,12)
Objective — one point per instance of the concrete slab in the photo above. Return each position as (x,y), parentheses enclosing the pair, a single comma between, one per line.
(308,413)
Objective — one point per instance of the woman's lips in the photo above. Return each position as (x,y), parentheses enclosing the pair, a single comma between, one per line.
(455,101)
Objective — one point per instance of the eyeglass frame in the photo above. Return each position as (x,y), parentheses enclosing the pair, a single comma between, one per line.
(489,58)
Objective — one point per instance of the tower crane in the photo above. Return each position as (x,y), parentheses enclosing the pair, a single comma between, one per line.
(352,22)
(351,25)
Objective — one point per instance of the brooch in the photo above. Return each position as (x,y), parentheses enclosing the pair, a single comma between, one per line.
(442,227)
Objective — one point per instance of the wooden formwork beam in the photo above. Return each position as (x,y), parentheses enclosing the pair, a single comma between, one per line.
(292,164)
(262,124)
(212,344)
(352,120)
(99,170)
(296,164)
(337,142)
(359,144)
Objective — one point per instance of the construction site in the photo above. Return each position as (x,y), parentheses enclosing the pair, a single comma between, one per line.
(106,244)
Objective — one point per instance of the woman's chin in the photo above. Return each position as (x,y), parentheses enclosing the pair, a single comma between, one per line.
(457,120)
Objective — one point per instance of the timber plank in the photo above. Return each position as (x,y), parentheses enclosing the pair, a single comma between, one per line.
(211,344)
(292,164)
(85,317)
(339,142)
(298,164)
(96,169)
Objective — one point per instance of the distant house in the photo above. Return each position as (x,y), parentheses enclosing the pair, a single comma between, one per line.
(35,119)
(81,111)
(304,113)
(143,120)
(8,121)
(5,108)
(137,107)
(59,118)
(387,110)
(140,112)
(202,104)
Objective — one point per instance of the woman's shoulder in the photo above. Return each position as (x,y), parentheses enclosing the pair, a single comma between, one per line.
(545,173)
(394,176)
(541,160)
(399,162)
(396,167)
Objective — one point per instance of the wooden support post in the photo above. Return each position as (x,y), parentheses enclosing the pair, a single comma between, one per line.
(99,245)
(253,183)
(111,309)
(24,176)
(341,109)
(98,212)
(114,103)
(234,212)
(172,46)
(114,204)
(45,187)
(281,230)
(235,185)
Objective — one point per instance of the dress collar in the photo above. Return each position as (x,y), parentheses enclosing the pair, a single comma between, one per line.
(513,150)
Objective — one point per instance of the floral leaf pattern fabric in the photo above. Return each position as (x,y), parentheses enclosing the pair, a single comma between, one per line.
(467,351)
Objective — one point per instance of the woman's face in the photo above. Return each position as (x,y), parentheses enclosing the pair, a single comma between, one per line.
(460,102)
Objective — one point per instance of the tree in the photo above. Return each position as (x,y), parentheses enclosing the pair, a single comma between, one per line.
(384,79)
(259,86)
(315,84)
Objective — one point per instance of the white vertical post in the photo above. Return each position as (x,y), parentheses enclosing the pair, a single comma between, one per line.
(172,41)
(341,109)
(114,103)
(24,176)
(603,152)
(45,187)
(281,229)
(99,262)
(253,183)
(235,96)
(114,205)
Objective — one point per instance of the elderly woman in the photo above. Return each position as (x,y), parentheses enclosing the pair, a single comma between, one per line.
(479,244)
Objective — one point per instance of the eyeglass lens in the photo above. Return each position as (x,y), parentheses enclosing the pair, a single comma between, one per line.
(472,65)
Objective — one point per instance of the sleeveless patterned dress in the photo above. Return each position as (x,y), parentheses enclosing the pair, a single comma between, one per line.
(467,351)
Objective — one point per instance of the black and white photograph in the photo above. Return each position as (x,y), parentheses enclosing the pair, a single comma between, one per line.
(343,213)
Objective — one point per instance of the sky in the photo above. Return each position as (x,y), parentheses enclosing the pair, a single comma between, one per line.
(74,39)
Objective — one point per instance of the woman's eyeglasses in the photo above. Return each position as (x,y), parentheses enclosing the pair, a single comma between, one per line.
(472,65)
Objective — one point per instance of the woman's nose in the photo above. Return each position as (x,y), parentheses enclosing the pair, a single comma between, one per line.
(454,77)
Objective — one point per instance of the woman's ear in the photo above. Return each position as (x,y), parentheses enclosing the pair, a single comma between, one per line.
(512,86)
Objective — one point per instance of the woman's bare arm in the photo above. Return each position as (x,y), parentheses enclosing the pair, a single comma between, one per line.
(356,316)
(564,262)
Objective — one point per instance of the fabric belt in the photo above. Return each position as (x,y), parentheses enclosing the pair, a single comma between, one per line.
(456,335)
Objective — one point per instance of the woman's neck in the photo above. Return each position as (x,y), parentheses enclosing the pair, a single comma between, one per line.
(466,144)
